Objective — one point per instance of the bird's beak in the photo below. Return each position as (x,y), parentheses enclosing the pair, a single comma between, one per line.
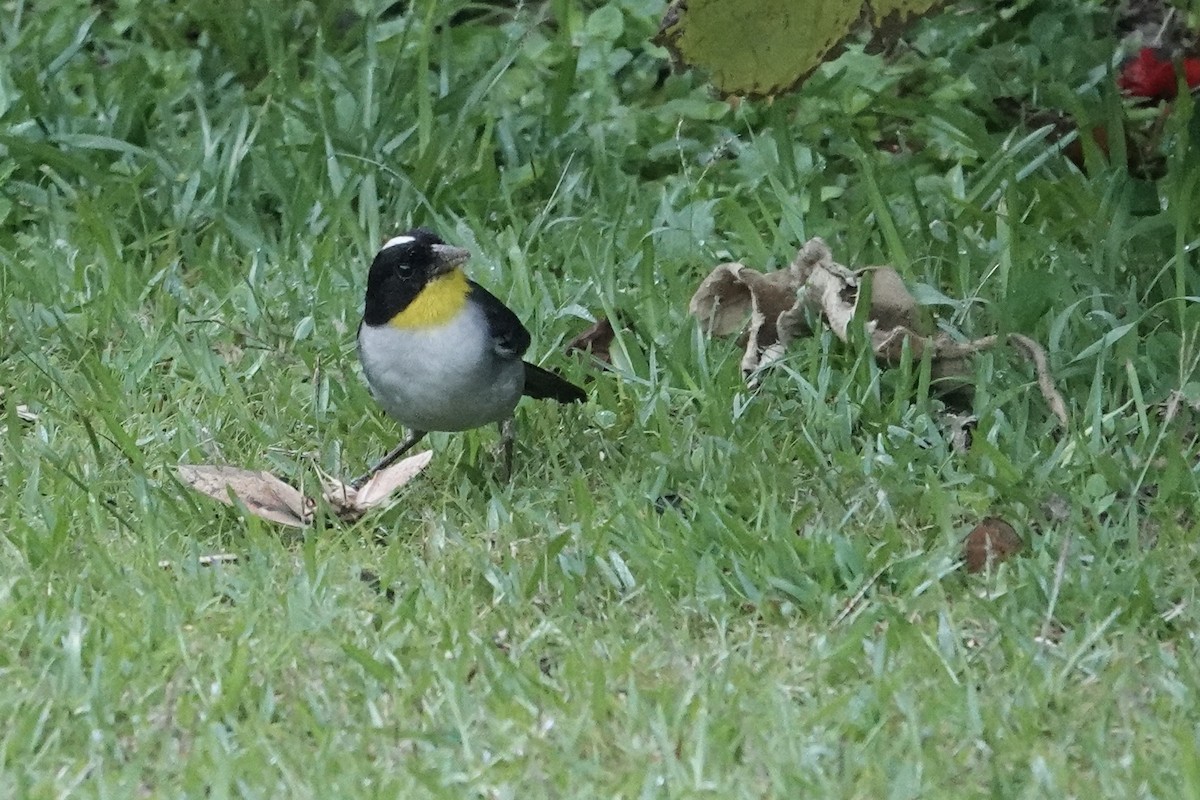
(446,258)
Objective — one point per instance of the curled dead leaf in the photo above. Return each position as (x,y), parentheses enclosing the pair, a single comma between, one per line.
(781,306)
(732,293)
(991,541)
(350,503)
(260,492)
(595,340)
(1035,353)
(270,498)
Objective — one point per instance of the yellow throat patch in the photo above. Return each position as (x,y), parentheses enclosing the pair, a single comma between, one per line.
(438,303)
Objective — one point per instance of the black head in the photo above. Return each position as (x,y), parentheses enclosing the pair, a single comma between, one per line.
(402,267)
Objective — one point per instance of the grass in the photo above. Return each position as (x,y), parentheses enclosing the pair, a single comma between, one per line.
(188,201)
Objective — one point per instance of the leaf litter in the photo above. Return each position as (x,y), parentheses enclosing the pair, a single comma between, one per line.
(991,541)
(271,498)
(595,340)
(815,291)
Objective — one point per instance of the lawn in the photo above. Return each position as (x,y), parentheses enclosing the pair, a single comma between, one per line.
(690,587)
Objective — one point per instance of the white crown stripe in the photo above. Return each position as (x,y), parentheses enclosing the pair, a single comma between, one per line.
(396,241)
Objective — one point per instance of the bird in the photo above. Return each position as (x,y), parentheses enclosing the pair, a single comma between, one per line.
(440,352)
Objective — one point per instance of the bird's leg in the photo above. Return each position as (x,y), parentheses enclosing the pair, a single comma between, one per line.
(508,430)
(389,459)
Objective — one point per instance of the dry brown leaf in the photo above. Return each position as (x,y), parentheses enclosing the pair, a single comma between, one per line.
(721,302)
(894,317)
(732,293)
(1035,353)
(262,493)
(385,483)
(991,541)
(270,498)
(780,306)
(595,339)
(350,503)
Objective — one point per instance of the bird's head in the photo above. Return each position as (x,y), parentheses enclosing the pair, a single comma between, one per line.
(404,266)
(418,255)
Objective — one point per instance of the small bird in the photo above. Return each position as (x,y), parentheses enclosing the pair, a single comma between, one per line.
(439,351)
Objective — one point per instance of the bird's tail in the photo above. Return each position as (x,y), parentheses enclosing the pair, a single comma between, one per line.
(541,384)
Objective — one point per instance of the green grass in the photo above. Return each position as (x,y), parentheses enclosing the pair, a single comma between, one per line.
(189,197)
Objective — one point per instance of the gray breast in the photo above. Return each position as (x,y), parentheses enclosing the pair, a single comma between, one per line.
(448,378)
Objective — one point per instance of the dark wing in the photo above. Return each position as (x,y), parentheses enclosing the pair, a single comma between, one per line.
(542,384)
(509,337)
